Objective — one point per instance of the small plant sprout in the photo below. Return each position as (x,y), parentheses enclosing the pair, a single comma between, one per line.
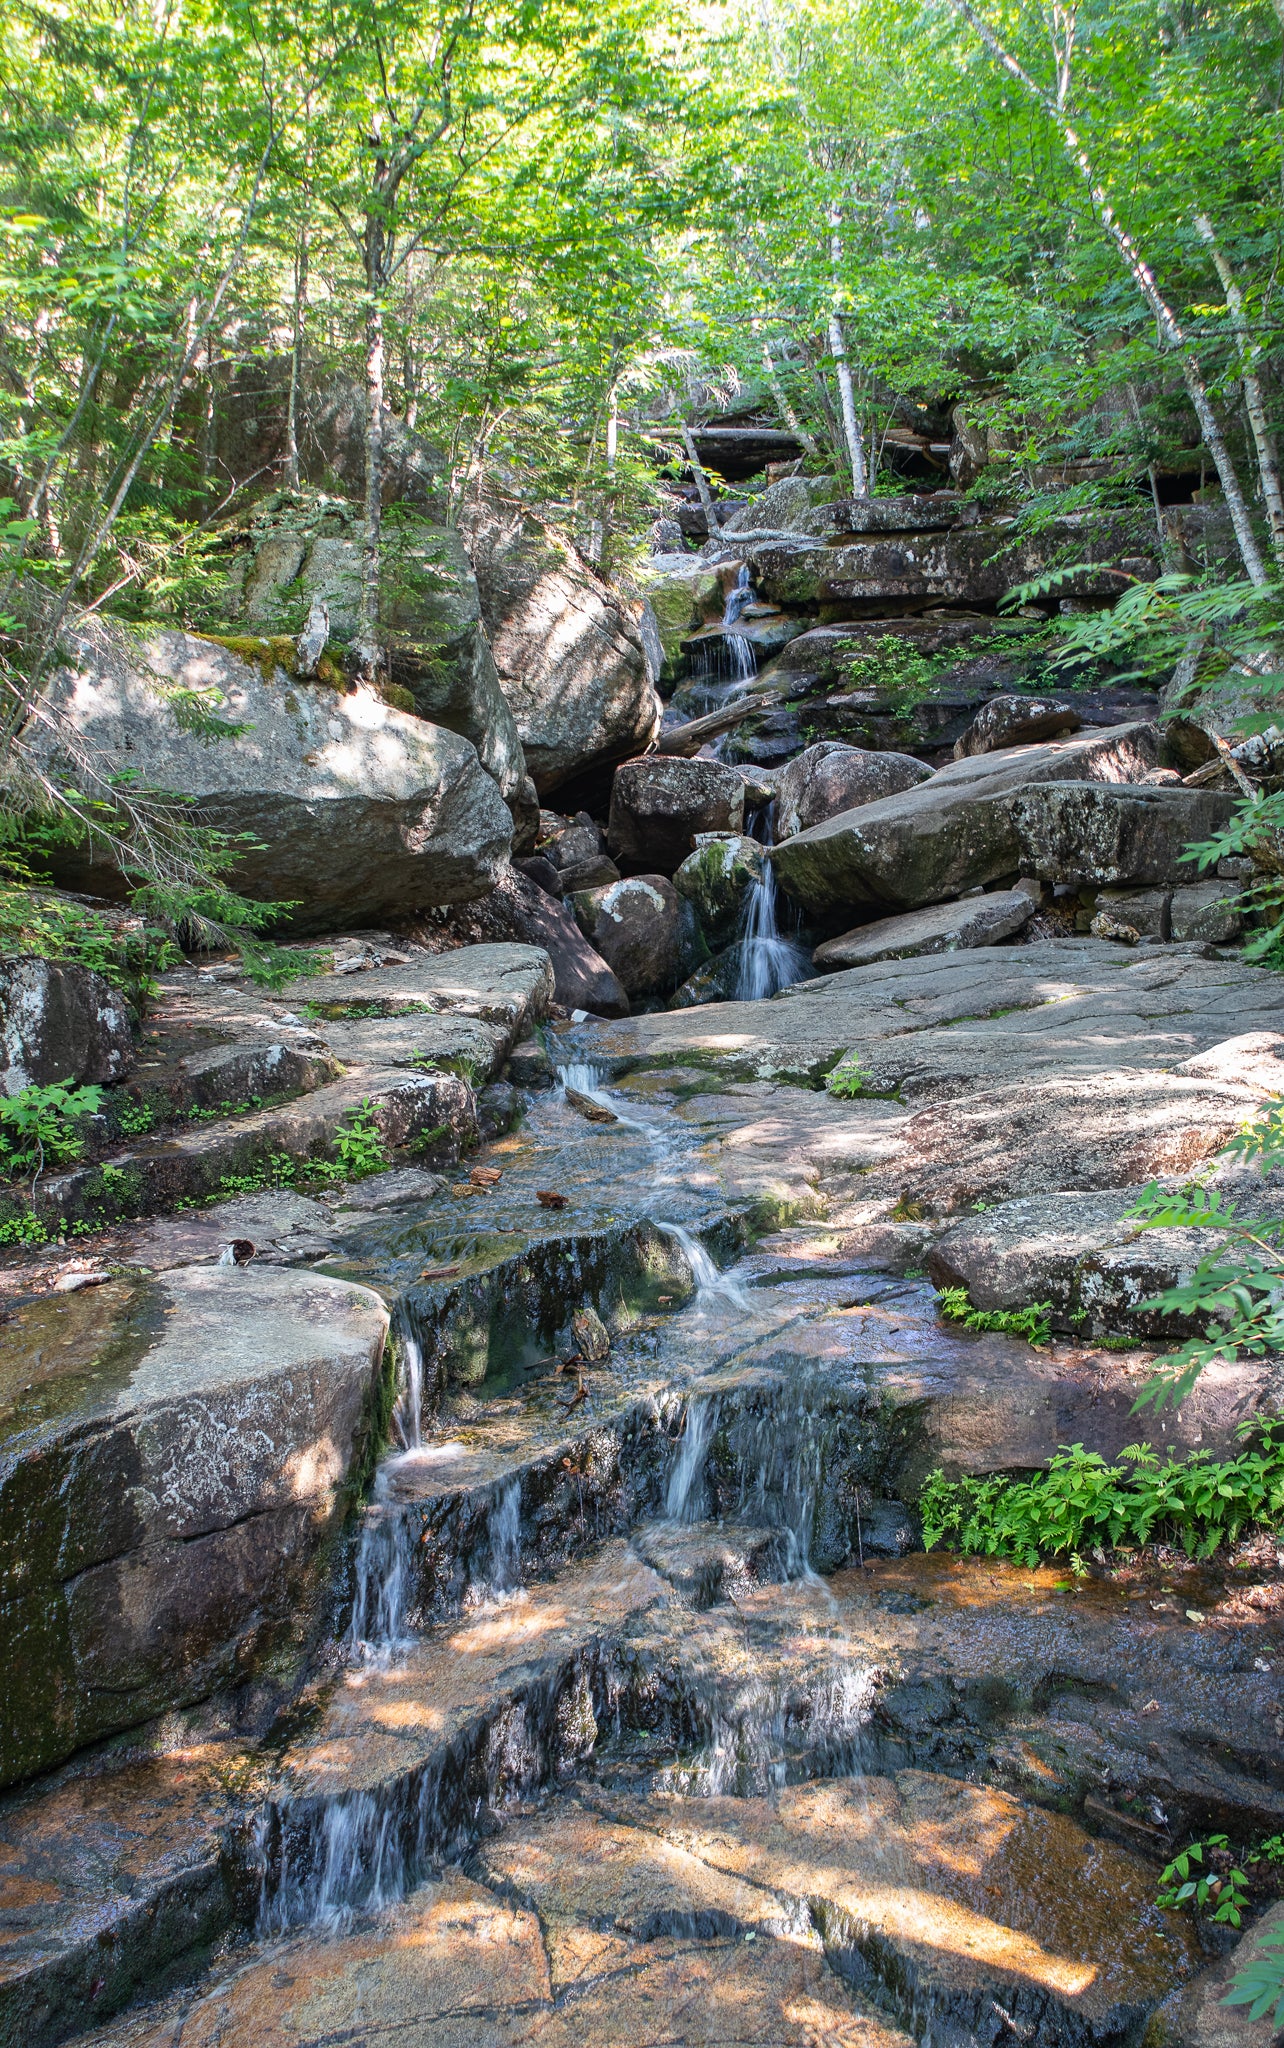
(1225,1891)
(848,1079)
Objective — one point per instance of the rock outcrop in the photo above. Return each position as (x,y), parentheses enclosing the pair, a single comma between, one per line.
(304,549)
(352,809)
(568,648)
(958,831)
(1087,835)
(169,1477)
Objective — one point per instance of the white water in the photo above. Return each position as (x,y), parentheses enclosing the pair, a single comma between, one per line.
(769,958)
(740,650)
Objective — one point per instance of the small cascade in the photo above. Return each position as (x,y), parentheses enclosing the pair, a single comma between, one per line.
(382,1568)
(684,1496)
(741,656)
(712,1284)
(770,959)
(725,663)
(506,1542)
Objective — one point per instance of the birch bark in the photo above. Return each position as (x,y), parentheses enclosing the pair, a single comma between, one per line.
(1268,462)
(1143,277)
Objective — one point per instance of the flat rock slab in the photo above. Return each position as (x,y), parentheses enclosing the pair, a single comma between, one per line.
(1065,1064)
(957,1894)
(173,1455)
(455,1966)
(502,984)
(944,928)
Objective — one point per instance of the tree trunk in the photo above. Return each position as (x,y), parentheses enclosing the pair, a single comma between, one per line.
(367,641)
(846,390)
(847,397)
(1268,462)
(291,473)
(701,480)
(781,396)
(1143,277)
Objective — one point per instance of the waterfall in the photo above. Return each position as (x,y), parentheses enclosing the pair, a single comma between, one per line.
(769,960)
(740,650)
(684,1494)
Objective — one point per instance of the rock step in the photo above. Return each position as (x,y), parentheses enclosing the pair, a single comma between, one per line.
(457,1966)
(403,1758)
(958,1905)
(267,1145)
(1094,1704)
(115,1880)
(173,1458)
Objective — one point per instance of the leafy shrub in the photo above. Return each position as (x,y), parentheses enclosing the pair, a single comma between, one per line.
(358,1144)
(1081,1501)
(38,1127)
(1237,1286)
(1226,1891)
(1031,1322)
(1261,1984)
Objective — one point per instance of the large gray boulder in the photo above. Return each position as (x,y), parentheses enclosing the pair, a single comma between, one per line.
(353,809)
(569,648)
(302,547)
(172,1460)
(956,832)
(1011,721)
(661,804)
(830,777)
(1091,836)
(582,980)
(944,928)
(645,932)
(60,1022)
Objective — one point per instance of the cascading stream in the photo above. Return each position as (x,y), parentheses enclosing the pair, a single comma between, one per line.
(769,959)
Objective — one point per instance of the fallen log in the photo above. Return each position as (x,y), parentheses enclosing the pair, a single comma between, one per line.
(689,738)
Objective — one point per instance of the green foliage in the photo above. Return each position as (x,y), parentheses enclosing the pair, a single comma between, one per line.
(133,1119)
(129,954)
(38,1127)
(1225,1891)
(272,967)
(24,1228)
(1219,626)
(1237,1286)
(1030,1322)
(848,1079)
(1260,1985)
(358,1146)
(1081,1501)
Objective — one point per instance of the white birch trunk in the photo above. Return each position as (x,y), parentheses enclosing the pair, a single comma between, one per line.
(1143,277)
(1268,463)
(701,480)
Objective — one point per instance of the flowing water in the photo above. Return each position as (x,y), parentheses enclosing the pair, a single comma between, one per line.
(769,958)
